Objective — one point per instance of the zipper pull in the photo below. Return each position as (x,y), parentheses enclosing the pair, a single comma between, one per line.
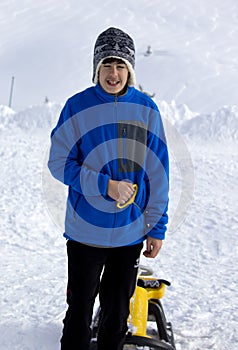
(124,132)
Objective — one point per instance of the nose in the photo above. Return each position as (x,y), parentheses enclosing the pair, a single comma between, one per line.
(113,70)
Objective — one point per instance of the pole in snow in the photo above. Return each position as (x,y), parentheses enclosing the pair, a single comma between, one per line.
(11,92)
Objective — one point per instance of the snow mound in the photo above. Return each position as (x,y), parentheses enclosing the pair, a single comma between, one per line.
(175,113)
(219,125)
(38,117)
(6,116)
(6,111)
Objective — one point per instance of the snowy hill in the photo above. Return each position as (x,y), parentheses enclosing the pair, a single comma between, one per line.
(193,72)
(219,125)
(33,252)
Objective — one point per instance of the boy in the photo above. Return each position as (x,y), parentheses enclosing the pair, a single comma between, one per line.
(109,148)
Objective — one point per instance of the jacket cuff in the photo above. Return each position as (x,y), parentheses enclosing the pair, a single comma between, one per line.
(103,183)
(156,234)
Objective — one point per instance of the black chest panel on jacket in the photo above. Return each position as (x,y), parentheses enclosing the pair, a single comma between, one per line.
(132,140)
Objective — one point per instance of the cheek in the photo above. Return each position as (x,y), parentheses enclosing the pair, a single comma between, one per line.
(126,75)
(100,76)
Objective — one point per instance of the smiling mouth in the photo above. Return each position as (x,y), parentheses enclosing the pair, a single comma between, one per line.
(112,83)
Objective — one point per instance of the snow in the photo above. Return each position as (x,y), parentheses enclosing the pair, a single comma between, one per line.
(48,49)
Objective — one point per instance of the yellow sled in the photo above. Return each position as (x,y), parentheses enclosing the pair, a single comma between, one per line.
(147,324)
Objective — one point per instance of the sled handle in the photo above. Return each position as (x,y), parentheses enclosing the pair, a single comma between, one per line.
(144,270)
(131,200)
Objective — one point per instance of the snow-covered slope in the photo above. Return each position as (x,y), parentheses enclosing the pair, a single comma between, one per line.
(193,72)
(199,256)
(219,125)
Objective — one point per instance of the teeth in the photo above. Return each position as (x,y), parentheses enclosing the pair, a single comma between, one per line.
(112,82)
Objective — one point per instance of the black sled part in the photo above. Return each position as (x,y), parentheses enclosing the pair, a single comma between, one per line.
(138,341)
(148,342)
(165,330)
(162,340)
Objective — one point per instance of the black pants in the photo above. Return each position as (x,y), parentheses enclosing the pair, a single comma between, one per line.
(85,267)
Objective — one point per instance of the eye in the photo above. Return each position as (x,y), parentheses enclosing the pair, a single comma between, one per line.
(121,67)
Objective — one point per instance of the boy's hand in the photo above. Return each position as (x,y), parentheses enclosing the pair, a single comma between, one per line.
(120,191)
(153,246)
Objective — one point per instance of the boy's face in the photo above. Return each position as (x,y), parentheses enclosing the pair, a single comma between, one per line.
(113,76)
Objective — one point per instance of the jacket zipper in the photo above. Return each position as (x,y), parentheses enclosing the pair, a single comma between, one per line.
(115,120)
(124,144)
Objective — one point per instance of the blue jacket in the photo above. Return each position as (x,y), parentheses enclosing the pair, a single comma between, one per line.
(98,137)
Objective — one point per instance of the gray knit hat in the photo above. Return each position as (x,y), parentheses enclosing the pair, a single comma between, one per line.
(114,43)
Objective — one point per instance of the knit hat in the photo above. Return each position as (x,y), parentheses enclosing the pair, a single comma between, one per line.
(114,43)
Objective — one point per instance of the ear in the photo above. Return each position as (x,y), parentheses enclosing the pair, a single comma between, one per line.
(98,73)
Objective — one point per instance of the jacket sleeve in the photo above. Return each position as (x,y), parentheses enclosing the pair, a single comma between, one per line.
(157,169)
(65,162)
